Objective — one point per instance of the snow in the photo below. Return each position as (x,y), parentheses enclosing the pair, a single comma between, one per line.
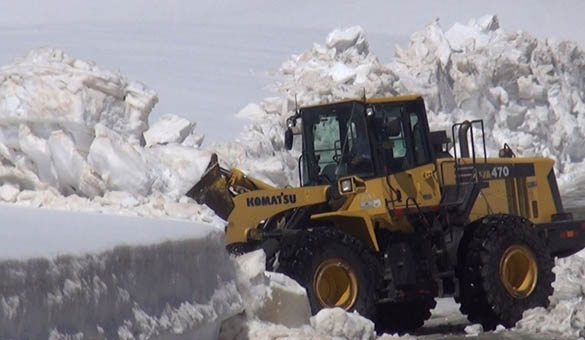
(85,232)
(338,323)
(170,129)
(78,138)
(473,330)
(94,275)
(566,314)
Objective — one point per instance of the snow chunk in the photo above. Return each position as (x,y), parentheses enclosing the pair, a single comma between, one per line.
(288,304)
(8,192)
(169,129)
(473,330)
(273,297)
(339,323)
(118,163)
(341,73)
(251,111)
(353,37)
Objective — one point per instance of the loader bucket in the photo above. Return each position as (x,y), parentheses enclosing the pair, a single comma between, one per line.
(212,190)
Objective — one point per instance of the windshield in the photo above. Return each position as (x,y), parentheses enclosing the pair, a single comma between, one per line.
(337,143)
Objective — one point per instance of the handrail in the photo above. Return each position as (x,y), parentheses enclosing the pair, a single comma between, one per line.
(463,129)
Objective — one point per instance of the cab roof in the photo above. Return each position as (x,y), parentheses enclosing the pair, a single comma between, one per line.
(389,99)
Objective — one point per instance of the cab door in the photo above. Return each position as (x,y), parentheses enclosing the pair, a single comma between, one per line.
(403,142)
(423,173)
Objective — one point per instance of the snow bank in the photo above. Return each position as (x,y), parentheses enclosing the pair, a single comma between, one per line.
(160,280)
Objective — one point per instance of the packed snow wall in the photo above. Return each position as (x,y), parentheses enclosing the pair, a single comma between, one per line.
(114,278)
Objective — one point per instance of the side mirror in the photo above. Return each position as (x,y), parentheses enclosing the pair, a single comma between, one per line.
(288,139)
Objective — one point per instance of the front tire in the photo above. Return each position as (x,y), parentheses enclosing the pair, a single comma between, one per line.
(505,269)
(335,269)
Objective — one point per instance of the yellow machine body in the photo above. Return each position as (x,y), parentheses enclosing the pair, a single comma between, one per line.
(386,218)
(377,206)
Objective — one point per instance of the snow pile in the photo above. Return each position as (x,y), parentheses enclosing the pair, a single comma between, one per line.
(69,126)
(51,87)
(522,87)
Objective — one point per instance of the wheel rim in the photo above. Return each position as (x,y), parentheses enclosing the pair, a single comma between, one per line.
(335,284)
(519,271)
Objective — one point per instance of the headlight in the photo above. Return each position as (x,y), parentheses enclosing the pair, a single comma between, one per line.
(346,185)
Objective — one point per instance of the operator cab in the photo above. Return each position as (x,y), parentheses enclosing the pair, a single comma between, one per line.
(401,134)
(367,139)
(336,142)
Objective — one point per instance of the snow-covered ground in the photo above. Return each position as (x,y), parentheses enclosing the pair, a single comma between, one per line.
(75,136)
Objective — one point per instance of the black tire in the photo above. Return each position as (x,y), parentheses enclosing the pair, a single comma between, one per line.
(326,262)
(505,269)
(404,316)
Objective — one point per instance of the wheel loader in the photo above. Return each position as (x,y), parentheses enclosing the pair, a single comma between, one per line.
(390,215)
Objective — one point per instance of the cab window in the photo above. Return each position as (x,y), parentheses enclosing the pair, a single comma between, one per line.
(390,137)
(400,136)
(421,152)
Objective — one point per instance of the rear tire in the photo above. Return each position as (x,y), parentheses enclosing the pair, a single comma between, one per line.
(335,269)
(505,269)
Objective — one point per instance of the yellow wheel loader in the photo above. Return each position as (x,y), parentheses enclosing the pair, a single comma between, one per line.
(386,218)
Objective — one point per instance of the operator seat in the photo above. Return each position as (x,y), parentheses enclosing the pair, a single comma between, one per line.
(329,172)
